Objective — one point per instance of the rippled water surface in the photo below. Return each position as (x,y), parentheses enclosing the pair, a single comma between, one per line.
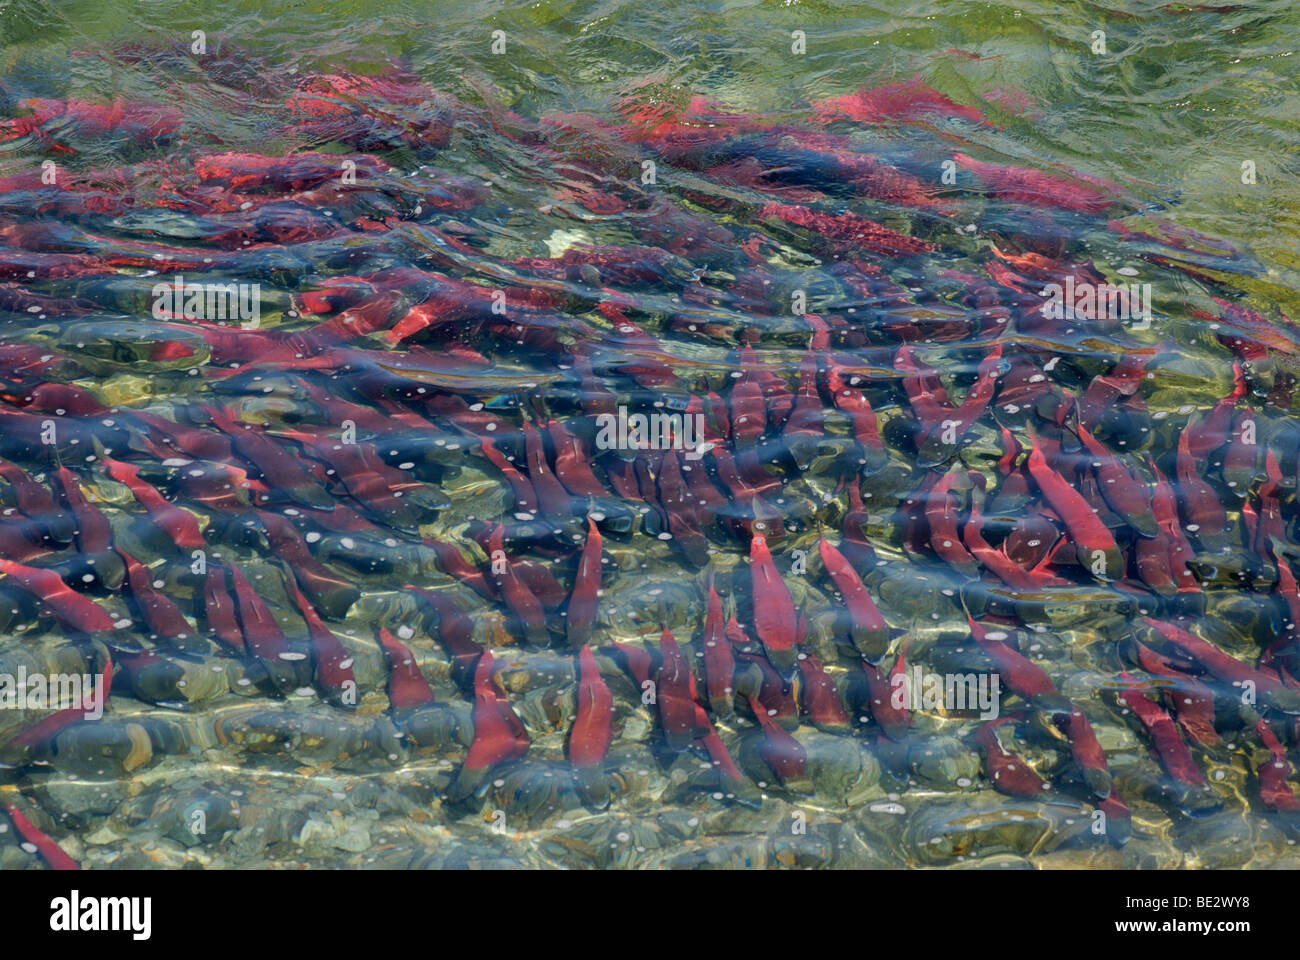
(382,568)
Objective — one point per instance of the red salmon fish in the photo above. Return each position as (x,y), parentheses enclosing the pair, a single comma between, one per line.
(867,628)
(407,688)
(65,605)
(775,621)
(50,851)
(498,733)
(591,734)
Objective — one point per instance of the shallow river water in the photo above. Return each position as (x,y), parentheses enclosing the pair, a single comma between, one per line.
(648,435)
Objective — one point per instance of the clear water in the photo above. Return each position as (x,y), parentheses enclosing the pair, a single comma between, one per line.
(496,166)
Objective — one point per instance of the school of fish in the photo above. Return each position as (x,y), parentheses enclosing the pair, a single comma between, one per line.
(380,526)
